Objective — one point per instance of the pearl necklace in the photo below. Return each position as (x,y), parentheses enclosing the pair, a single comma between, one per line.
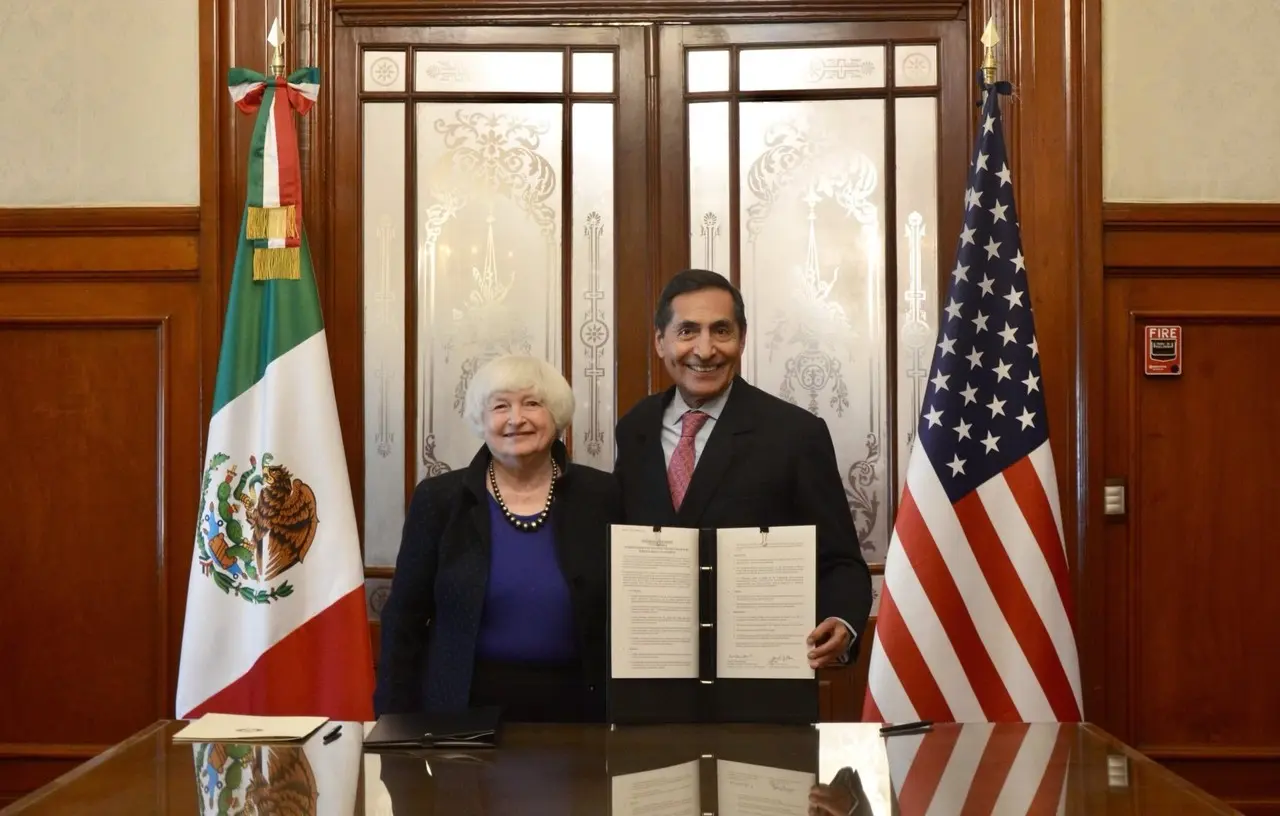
(538,520)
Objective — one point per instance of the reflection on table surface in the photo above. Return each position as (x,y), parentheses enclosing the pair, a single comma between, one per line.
(637,771)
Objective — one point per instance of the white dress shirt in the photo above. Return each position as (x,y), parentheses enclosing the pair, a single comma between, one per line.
(671,422)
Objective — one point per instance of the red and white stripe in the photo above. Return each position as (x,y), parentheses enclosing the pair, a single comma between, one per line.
(975,621)
(982,768)
(247,95)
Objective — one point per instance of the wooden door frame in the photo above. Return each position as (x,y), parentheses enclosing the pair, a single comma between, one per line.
(1050,51)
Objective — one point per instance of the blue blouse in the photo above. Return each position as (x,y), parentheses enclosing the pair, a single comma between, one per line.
(528,613)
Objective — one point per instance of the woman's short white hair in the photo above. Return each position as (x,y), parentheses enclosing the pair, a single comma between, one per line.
(518,372)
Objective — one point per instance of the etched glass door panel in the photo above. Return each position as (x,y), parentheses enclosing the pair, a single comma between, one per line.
(489,233)
(812,210)
(489,224)
(812,180)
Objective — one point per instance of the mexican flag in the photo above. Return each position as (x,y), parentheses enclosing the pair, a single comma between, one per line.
(315,778)
(275,620)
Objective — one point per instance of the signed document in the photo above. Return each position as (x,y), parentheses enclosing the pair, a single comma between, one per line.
(653,603)
(766,602)
(757,790)
(672,791)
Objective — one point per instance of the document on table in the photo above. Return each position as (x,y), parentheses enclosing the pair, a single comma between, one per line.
(246,728)
(766,602)
(672,791)
(758,790)
(653,602)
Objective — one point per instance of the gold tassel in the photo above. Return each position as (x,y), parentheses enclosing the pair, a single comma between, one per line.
(277,264)
(271,222)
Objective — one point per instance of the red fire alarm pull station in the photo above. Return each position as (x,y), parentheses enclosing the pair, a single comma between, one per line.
(1164,351)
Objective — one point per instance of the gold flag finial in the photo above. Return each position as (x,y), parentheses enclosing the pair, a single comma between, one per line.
(989,39)
(276,38)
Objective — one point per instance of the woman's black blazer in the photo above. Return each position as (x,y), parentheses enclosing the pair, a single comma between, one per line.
(431,618)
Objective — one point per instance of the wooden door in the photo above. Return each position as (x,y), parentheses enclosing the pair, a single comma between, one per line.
(1191,557)
(531,188)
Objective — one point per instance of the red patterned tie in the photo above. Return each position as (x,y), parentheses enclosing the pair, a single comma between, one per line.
(680,471)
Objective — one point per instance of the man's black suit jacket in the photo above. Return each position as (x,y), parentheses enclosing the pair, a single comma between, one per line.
(767,463)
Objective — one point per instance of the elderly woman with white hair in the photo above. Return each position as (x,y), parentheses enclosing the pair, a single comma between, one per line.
(500,585)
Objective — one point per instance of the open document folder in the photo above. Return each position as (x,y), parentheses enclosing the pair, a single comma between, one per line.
(244,728)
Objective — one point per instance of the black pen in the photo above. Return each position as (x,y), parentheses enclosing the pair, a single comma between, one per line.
(905,728)
(333,735)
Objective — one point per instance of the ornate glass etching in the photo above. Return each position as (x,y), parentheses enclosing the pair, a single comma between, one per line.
(593,72)
(593,375)
(915,65)
(916,148)
(489,221)
(708,71)
(489,71)
(376,591)
(813,226)
(793,69)
(384,335)
(384,72)
(709,186)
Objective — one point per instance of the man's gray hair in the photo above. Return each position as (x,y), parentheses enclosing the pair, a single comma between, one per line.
(518,372)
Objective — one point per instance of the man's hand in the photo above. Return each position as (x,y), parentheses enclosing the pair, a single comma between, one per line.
(828,643)
(830,800)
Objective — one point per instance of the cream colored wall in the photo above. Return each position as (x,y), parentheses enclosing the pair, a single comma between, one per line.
(1191,100)
(100,103)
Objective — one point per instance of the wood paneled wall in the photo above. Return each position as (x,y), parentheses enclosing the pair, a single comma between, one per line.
(101,432)
(109,329)
(110,320)
(110,323)
(1187,599)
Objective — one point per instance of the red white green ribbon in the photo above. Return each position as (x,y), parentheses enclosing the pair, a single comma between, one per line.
(273,214)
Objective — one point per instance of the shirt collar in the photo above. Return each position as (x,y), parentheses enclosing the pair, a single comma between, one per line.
(679,407)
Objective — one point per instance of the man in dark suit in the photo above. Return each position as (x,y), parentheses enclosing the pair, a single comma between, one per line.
(714,451)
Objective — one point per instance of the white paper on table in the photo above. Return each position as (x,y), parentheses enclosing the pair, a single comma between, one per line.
(673,791)
(758,790)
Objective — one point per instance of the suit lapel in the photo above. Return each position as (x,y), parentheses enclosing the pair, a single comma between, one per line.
(653,468)
(477,479)
(726,437)
(569,531)
(478,549)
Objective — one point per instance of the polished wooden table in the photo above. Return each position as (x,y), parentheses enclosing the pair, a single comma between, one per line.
(669,770)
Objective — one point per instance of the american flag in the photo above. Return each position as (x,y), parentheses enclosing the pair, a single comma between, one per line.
(975,620)
(982,768)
